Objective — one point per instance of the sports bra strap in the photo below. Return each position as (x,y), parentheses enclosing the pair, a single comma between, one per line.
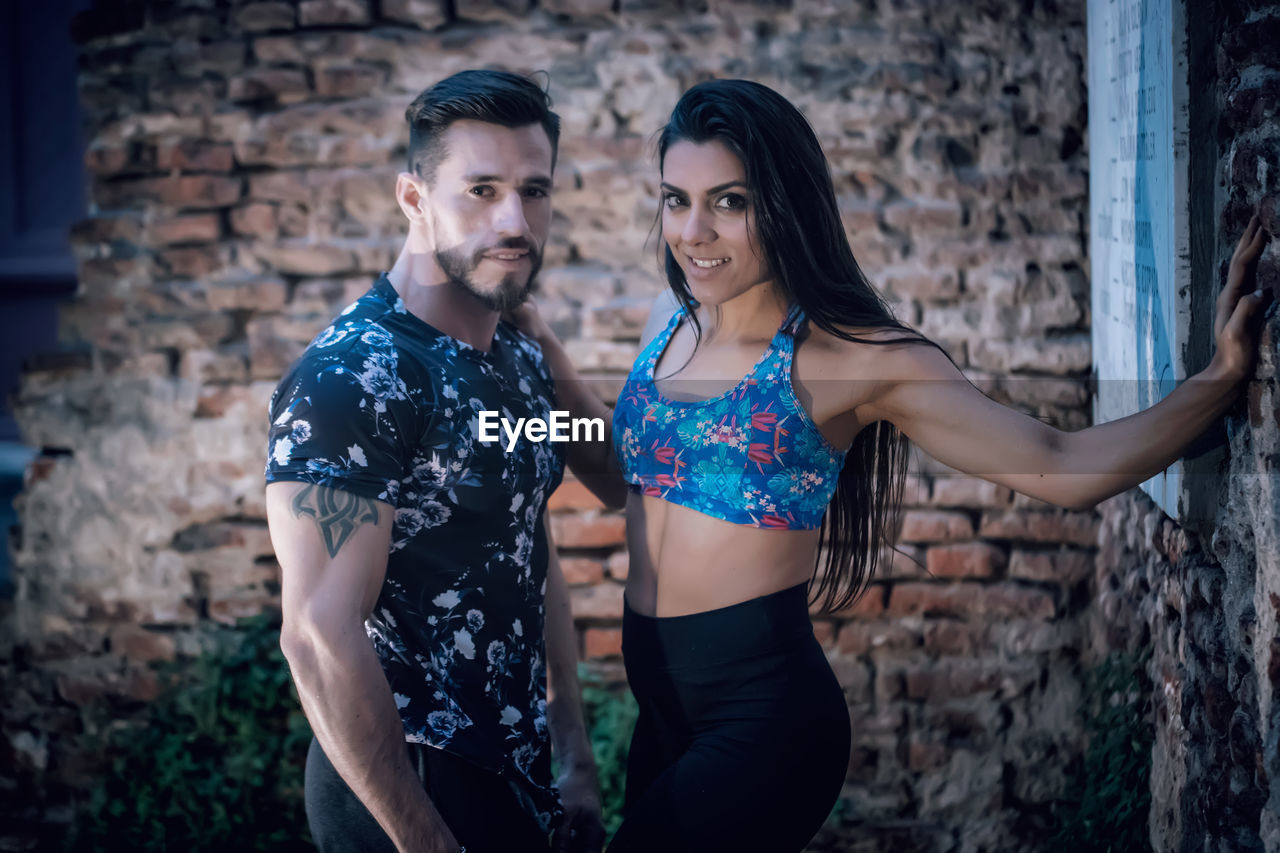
(794,321)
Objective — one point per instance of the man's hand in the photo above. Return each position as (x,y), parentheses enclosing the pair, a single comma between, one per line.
(581,830)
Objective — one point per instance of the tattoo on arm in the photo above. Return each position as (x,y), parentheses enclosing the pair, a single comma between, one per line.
(337,513)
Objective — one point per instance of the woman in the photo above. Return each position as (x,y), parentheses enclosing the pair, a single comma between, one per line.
(730,466)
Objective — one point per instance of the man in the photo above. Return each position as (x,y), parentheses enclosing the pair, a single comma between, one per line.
(419,576)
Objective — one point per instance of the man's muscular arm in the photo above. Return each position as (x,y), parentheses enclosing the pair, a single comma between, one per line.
(332,547)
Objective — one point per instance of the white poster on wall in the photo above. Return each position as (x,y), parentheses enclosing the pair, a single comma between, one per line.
(1138,240)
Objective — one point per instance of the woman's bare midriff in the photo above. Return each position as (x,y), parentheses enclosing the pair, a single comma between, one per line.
(684,561)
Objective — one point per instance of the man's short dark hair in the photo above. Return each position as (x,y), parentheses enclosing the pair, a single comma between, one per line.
(498,97)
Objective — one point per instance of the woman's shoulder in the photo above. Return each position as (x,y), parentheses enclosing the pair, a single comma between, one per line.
(862,339)
(665,304)
(881,351)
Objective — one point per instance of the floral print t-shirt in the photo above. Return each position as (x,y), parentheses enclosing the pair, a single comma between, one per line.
(384,406)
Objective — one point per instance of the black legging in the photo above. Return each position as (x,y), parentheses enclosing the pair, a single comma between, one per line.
(479,807)
(743,736)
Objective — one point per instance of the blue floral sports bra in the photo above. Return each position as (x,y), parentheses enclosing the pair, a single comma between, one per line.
(750,456)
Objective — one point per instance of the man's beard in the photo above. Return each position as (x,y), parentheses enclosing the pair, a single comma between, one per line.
(458,268)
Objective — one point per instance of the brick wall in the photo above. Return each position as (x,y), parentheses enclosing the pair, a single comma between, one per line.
(241,161)
(1207,596)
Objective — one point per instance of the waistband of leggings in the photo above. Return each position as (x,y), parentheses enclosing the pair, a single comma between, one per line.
(758,626)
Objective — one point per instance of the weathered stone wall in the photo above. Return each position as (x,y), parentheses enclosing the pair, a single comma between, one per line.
(242,160)
(1207,596)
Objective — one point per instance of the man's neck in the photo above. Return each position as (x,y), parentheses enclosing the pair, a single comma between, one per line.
(428,294)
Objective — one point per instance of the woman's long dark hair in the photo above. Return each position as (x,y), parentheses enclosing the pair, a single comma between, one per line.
(797,223)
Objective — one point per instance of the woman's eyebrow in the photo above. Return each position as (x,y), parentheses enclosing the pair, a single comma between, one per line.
(717,188)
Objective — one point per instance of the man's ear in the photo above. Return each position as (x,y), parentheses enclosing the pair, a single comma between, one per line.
(412,194)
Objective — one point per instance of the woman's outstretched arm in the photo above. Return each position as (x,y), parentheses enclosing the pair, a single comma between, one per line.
(926,397)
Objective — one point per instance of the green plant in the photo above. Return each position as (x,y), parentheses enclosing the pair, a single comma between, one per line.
(610,713)
(1111,796)
(215,763)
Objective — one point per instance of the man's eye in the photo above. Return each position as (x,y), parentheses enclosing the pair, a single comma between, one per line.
(481,191)
(536,192)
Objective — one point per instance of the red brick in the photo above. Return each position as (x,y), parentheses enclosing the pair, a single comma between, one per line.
(1017,602)
(602,601)
(870,605)
(946,637)
(85,688)
(1074,528)
(193,261)
(294,221)
(258,17)
(274,343)
(915,490)
(621,319)
(1021,637)
(966,560)
(917,215)
(581,570)
(922,284)
(1064,566)
(927,756)
(955,680)
(197,155)
(140,644)
(288,84)
(106,229)
(281,187)
(854,677)
(348,81)
(602,643)
(59,639)
(618,565)
(318,259)
(492,10)
(320,13)
(1061,355)
(927,599)
(199,190)
(901,561)
(216,401)
(825,633)
(970,599)
(856,638)
(926,525)
(579,8)
(889,685)
(194,228)
(106,160)
(253,294)
(255,220)
(946,680)
(427,14)
(231,608)
(573,495)
(970,493)
(588,530)
(201,366)
(128,194)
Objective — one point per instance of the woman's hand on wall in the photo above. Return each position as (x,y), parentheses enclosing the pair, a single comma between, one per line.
(1239,304)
